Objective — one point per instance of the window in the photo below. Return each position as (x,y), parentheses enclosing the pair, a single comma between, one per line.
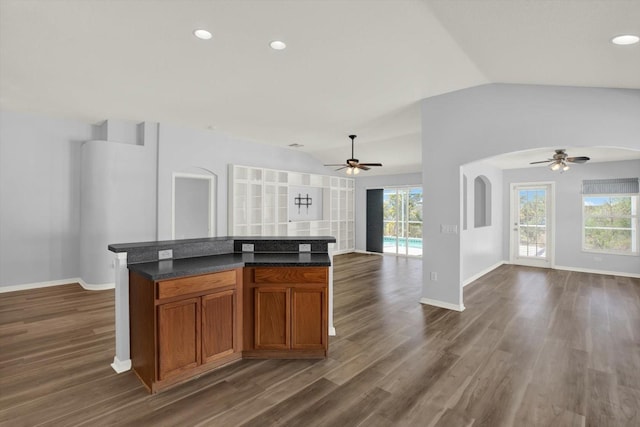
(610,219)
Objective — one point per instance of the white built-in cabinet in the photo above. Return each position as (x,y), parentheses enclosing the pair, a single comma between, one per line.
(259,205)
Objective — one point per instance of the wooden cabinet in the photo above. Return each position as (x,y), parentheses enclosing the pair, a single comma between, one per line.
(183,327)
(178,337)
(272,319)
(219,324)
(180,328)
(286,312)
(308,318)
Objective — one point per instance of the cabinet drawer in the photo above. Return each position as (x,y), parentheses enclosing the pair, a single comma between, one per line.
(290,275)
(189,285)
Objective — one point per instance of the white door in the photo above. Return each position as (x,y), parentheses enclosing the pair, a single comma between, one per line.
(531,224)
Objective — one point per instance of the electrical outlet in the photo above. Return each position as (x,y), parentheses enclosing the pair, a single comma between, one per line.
(247,247)
(166,254)
(304,247)
(434,276)
(448,229)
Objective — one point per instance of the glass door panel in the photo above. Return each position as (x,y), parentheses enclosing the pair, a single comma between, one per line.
(402,209)
(531,225)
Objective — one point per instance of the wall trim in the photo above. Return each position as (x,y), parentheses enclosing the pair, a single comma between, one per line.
(482,273)
(360,251)
(96,287)
(594,271)
(49,283)
(332,331)
(121,366)
(442,304)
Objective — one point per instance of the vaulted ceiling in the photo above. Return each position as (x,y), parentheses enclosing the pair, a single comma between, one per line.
(350,66)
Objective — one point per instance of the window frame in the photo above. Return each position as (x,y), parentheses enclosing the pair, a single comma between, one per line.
(635,220)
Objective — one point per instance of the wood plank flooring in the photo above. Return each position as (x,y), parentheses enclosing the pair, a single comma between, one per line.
(534,347)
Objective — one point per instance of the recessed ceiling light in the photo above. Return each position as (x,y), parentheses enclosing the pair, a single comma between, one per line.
(202,34)
(278,45)
(625,39)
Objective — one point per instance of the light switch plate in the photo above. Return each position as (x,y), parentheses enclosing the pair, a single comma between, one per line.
(166,254)
(247,247)
(304,247)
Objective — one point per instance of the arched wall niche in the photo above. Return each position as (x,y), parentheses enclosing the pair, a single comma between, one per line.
(481,202)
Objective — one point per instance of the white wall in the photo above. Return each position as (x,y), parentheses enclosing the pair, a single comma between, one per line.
(568,207)
(200,151)
(126,189)
(364,183)
(39,197)
(484,121)
(118,201)
(481,248)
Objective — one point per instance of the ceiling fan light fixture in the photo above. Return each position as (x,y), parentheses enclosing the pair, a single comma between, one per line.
(565,167)
(354,165)
(555,166)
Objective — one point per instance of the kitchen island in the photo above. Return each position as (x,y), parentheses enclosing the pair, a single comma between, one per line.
(217,300)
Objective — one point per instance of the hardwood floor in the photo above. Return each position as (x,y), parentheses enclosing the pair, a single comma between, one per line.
(534,347)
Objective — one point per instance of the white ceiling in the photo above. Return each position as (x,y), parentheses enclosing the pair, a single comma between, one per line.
(351,66)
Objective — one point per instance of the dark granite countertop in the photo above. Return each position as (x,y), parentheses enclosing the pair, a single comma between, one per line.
(148,252)
(172,268)
(124,247)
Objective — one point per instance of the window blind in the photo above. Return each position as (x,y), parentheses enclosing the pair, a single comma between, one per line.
(611,186)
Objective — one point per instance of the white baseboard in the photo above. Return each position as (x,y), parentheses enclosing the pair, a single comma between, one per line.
(96,287)
(359,251)
(442,304)
(482,273)
(594,271)
(87,286)
(332,331)
(121,366)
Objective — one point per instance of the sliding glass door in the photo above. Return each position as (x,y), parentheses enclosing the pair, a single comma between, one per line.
(403,221)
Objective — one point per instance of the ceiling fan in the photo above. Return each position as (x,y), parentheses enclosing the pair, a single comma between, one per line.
(353,165)
(560,160)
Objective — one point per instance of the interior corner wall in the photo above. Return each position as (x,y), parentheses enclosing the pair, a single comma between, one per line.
(568,208)
(472,124)
(182,149)
(364,183)
(39,197)
(482,247)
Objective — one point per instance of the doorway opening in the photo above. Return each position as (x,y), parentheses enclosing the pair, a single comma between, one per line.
(193,206)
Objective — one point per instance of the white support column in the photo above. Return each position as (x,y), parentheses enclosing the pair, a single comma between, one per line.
(122,359)
(332,329)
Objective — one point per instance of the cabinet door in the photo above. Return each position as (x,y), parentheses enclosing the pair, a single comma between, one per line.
(271,319)
(178,337)
(308,318)
(218,325)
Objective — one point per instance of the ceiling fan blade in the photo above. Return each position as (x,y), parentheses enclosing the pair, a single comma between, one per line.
(337,164)
(370,164)
(578,159)
(343,167)
(542,161)
(363,167)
